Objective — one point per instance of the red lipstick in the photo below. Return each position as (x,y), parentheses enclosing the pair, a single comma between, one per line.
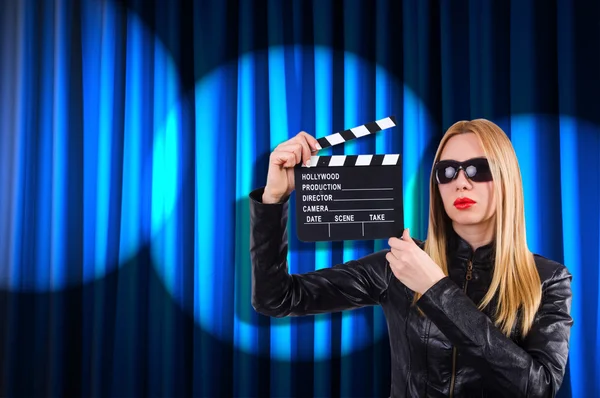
(463,203)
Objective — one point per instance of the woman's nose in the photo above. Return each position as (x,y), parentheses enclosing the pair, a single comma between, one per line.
(462,182)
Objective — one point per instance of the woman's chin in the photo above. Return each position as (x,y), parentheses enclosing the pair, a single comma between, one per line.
(464,218)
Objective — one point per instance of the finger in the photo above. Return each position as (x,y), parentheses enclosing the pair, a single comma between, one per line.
(406,235)
(390,257)
(312,141)
(398,254)
(284,159)
(281,158)
(290,146)
(397,243)
(294,148)
(406,239)
(303,140)
(394,260)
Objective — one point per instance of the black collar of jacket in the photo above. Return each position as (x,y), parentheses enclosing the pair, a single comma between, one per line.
(459,248)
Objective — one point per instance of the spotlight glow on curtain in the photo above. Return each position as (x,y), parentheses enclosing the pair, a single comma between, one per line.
(79,186)
(217,167)
(104,155)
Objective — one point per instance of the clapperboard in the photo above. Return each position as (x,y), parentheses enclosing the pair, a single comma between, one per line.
(350,197)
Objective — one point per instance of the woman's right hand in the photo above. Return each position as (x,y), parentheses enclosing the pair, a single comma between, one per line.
(280,177)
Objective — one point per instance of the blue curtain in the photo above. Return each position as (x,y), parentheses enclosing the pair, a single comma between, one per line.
(132,133)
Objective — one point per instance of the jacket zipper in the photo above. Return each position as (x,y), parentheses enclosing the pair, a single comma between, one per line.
(468,277)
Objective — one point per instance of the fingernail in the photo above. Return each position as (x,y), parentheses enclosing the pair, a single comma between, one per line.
(308,163)
(318,146)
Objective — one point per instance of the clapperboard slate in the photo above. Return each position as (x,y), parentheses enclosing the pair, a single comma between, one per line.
(350,197)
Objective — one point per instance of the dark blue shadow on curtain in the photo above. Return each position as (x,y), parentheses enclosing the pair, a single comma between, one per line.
(134,130)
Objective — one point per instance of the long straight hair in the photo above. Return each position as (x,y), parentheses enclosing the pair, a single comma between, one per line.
(515,281)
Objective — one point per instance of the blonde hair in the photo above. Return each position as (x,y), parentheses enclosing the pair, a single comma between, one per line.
(515,280)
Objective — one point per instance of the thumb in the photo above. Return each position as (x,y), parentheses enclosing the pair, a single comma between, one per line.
(406,235)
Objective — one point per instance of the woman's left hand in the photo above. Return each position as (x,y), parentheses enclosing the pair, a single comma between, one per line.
(411,265)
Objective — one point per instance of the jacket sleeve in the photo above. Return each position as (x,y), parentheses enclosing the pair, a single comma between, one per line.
(276,293)
(533,369)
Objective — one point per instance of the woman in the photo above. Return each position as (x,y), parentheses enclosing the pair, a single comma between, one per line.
(470,311)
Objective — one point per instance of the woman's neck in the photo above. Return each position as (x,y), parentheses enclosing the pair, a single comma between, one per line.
(476,235)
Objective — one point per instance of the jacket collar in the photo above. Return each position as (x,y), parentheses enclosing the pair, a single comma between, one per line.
(459,248)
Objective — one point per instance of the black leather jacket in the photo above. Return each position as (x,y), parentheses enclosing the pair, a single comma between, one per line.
(455,350)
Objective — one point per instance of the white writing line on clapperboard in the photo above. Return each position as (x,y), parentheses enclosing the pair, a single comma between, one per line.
(367,189)
(347,222)
(355,199)
(363,210)
(329,198)
(347,219)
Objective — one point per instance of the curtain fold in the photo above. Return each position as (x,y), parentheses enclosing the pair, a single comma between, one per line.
(132,133)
